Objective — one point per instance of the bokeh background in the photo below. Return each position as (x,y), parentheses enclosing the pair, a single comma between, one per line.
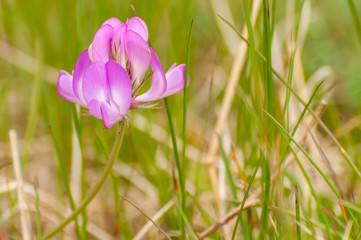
(39,38)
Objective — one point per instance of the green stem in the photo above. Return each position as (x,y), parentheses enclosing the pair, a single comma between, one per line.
(96,188)
(181,181)
(355,18)
(185,99)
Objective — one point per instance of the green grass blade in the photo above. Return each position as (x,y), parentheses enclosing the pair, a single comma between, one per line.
(62,165)
(288,93)
(267,47)
(181,181)
(203,213)
(185,103)
(313,222)
(314,194)
(246,194)
(319,121)
(149,218)
(284,132)
(107,170)
(188,225)
(266,186)
(228,171)
(301,118)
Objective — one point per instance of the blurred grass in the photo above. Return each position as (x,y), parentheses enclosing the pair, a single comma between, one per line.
(55,32)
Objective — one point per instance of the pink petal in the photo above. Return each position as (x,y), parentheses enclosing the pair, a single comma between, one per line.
(118,42)
(113,22)
(94,108)
(175,80)
(138,55)
(65,88)
(101,46)
(159,82)
(110,115)
(172,67)
(81,66)
(119,85)
(95,84)
(136,24)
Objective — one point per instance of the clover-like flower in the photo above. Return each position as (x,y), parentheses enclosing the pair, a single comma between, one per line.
(108,75)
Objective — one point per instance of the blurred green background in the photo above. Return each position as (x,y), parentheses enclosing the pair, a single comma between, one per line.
(54,33)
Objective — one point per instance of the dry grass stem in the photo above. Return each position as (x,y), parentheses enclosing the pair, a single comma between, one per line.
(227,101)
(255,198)
(24,215)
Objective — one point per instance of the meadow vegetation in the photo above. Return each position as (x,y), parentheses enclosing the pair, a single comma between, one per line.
(263,144)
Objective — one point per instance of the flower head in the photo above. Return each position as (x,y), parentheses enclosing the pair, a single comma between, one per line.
(109,73)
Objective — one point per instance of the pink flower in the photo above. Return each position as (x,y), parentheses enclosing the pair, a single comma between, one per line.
(108,75)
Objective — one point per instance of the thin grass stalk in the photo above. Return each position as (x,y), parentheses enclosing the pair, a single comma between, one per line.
(146,215)
(78,170)
(38,213)
(298,219)
(321,213)
(228,171)
(65,178)
(246,195)
(266,187)
(283,131)
(319,121)
(176,154)
(185,103)
(113,156)
(267,46)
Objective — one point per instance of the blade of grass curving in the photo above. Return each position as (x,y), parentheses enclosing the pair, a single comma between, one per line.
(284,132)
(298,219)
(176,153)
(185,103)
(94,191)
(149,218)
(246,195)
(355,18)
(319,121)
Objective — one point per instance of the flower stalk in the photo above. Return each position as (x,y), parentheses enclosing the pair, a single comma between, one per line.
(112,157)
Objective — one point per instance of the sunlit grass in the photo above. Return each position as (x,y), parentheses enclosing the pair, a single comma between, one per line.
(277,156)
